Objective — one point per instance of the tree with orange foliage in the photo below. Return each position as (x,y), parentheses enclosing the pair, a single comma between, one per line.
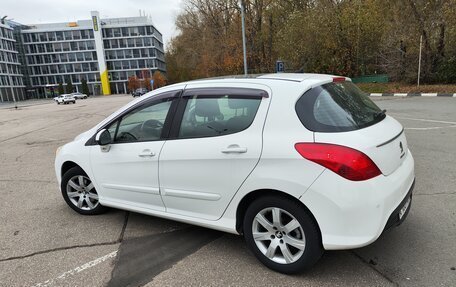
(159,80)
(133,83)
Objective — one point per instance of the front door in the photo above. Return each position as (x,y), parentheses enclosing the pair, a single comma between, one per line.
(128,173)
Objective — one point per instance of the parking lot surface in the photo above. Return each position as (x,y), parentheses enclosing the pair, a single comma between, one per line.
(45,243)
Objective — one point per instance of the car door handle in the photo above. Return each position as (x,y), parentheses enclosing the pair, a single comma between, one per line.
(234,149)
(146,153)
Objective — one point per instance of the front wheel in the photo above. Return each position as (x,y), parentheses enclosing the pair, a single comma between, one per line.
(282,235)
(79,192)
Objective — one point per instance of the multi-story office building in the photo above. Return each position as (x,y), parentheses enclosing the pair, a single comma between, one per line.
(104,52)
(11,78)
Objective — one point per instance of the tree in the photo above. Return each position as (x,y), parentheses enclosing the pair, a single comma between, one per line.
(61,91)
(85,87)
(159,80)
(69,86)
(133,83)
(347,37)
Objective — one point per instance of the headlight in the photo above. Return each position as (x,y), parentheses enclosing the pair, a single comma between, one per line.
(58,150)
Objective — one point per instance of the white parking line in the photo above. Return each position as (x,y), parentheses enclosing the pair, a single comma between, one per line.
(426,120)
(452,124)
(76,270)
(429,128)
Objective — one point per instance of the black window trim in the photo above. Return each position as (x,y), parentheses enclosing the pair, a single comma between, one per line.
(239,93)
(174,95)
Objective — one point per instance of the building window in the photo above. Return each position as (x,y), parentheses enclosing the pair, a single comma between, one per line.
(63,58)
(51,36)
(139,42)
(57,47)
(81,46)
(90,45)
(77,35)
(43,37)
(59,36)
(71,57)
(68,35)
(88,56)
(66,46)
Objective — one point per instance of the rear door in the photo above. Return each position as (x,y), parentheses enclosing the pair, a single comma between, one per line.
(339,113)
(216,142)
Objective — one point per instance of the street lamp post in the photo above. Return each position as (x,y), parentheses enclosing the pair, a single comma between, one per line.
(243,36)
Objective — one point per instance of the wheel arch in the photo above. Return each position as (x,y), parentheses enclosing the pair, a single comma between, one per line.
(254,195)
(67,165)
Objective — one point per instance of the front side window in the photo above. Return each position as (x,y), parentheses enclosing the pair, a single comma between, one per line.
(214,116)
(142,124)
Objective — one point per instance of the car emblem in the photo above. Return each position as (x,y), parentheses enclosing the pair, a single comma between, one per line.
(401,147)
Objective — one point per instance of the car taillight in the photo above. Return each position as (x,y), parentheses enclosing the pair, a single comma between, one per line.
(346,162)
(338,79)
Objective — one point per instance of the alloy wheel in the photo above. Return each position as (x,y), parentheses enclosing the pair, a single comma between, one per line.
(278,235)
(81,192)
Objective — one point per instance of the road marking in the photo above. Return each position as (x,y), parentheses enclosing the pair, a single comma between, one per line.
(430,128)
(77,270)
(426,120)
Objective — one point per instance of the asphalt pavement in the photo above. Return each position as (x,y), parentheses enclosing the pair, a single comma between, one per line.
(45,243)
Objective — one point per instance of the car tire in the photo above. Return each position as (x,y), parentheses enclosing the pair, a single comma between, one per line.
(289,244)
(79,193)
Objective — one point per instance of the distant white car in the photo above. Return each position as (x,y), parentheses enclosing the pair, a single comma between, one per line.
(65,99)
(297,163)
(79,96)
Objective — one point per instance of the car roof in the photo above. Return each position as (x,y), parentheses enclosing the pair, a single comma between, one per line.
(294,77)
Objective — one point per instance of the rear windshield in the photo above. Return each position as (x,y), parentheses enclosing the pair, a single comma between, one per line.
(337,107)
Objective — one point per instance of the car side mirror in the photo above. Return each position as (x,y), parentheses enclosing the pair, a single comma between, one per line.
(104,140)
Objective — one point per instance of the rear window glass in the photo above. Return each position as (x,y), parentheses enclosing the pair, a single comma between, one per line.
(337,107)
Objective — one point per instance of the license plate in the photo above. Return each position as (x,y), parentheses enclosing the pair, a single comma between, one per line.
(404,208)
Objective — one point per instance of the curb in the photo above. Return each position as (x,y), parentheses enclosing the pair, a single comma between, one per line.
(412,95)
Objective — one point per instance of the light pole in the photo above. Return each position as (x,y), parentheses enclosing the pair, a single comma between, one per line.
(243,36)
(419,61)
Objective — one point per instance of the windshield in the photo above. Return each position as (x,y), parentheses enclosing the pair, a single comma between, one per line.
(337,107)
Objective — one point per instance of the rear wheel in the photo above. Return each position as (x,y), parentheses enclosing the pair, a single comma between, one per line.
(79,192)
(282,235)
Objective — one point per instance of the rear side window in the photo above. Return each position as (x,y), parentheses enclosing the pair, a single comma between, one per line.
(214,116)
(337,107)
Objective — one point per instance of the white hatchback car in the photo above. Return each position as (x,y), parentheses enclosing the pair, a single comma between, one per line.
(297,163)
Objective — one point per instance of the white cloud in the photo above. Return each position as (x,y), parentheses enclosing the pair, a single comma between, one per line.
(163,12)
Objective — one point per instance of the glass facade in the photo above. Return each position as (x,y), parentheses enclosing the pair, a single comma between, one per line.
(59,56)
(11,78)
(132,51)
(44,55)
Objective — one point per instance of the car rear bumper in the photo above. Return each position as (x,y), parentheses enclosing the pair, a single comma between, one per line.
(354,214)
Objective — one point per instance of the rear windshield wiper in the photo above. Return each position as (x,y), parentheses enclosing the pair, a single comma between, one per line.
(380,114)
